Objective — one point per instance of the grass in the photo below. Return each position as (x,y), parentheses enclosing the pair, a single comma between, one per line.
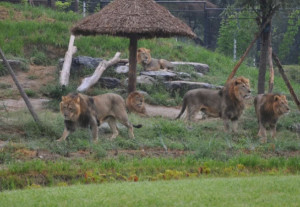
(251,191)
(208,150)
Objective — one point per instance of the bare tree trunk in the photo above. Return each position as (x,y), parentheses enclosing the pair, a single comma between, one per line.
(263,59)
(76,5)
(103,65)
(271,80)
(65,72)
(132,64)
(286,80)
(31,2)
(23,94)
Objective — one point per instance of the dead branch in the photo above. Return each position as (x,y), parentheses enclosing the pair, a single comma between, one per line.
(286,80)
(65,72)
(236,67)
(23,94)
(103,65)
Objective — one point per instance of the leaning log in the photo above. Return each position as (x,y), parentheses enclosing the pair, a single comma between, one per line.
(103,65)
(65,72)
(286,80)
(236,67)
(23,94)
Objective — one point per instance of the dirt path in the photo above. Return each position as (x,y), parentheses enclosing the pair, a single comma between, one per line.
(39,76)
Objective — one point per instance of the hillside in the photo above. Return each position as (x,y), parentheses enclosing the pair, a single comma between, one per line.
(30,155)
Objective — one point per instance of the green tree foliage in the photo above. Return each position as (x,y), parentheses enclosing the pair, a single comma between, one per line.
(289,36)
(239,26)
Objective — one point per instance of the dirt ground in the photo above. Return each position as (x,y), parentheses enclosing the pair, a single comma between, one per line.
(39,76)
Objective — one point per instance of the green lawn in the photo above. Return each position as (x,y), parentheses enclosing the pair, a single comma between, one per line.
(247,191)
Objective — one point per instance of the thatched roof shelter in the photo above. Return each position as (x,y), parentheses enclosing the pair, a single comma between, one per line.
(134,19)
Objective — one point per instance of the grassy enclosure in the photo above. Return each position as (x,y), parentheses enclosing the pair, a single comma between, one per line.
(252,191)
(30,157)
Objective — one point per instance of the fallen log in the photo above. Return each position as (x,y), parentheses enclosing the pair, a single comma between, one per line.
(91,80)
(65,72)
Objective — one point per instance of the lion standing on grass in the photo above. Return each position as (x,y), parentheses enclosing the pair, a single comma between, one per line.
(227,103)
(80,110)
(152,64)
(268,108)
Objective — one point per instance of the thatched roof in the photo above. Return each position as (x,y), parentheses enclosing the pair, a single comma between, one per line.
(144,18)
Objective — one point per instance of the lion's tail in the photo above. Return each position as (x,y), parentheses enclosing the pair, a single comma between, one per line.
(183,108)
(137,126)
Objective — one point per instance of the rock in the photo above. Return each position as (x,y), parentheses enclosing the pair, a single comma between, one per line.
(183,86)
(184,76)
(200,75)
(144,79)
(107,82)
(104,127)
(199,67)
(121,69)
(295,128)
(80,63)
(202,68)
(16,65)
(161,75)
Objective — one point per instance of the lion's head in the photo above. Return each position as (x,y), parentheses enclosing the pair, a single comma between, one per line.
(239,88)
(135,102)
(143,55)
(280,105)
(70,107)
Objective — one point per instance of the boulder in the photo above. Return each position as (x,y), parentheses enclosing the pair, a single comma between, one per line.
(161,75)
(183,86)
(184,76)
(107,82)
(143,79)
(199,67)
(295,128)
(16,65)
(121,69)
(82,62)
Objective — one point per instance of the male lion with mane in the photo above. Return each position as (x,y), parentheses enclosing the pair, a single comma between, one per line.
(227,103)
(268,108)
(135,103)
(151,64)
(80,110)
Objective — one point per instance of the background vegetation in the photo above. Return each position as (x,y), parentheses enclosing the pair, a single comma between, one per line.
(31,158)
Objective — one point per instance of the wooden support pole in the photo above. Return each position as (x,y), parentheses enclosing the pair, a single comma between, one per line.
(103,65)
(65,72)
(132,64)
(23,94)
(286,80)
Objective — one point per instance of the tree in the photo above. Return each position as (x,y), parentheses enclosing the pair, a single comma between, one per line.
(265,10)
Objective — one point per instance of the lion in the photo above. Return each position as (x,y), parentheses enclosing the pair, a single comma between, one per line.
(152,64)
(80,110)
(135,103)
(269,107)
(226,103)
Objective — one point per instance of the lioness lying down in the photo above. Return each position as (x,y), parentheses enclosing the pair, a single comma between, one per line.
(151,64)
(268,108)
(226,103)
(90,111)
